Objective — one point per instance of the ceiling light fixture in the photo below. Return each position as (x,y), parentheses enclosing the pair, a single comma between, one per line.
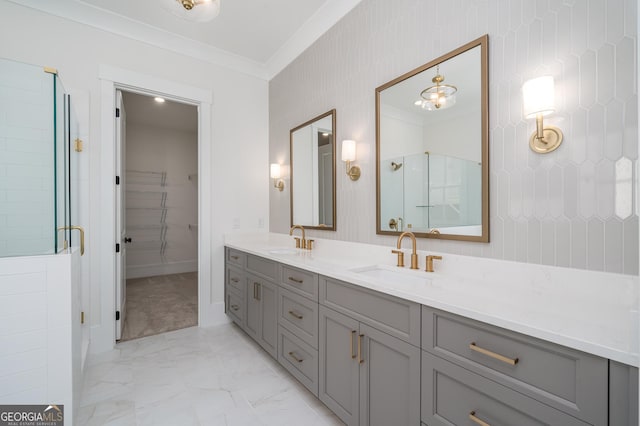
(436,97)
(159,100)
(193,10)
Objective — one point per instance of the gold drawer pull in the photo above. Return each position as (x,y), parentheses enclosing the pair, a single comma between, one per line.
(235,280)
(293,355)
(256,290)
(235,257)
(473,418)
(510,361)
(360,359)
(295,314)
(295,280)
(235,307)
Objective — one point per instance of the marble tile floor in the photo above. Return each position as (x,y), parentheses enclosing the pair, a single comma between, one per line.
(195,376)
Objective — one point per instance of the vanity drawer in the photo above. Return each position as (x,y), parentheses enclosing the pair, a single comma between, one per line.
(451,395)
(235,280)
(263,267)
(236,257)
(300,359)
(235,308)
(392,315)
(300,281)
(569,380)
(299,315)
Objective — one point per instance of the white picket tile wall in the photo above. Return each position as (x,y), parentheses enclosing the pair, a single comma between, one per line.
(573,207)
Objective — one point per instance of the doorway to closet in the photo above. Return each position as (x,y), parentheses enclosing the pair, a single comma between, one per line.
(157,216)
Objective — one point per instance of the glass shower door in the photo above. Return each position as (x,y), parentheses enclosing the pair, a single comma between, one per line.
(33,197)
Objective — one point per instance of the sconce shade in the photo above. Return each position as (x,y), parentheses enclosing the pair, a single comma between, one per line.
(538,96)
(275,171)
(348,150)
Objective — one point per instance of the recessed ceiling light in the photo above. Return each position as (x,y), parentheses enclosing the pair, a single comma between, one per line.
(159,100)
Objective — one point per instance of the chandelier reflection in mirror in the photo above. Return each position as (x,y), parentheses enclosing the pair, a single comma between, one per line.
(193,10)
(436,97)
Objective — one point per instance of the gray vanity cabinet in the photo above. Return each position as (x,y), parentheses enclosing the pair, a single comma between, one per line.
(234,289)
(376,359)
(367,376)
(389,380)
(623,394)
(298,325)
(508,378)
(339,380)
(455,396)
(261,313)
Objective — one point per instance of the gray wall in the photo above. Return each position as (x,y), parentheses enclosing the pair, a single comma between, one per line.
(567,208)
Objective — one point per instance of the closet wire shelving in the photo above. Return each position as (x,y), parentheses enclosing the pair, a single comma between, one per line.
(146,204)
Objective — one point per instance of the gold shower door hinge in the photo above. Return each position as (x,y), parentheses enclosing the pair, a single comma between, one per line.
(51,70)
(77,145)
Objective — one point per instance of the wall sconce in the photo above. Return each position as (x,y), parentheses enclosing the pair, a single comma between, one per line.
(349,155)
(538,99)
(275,175)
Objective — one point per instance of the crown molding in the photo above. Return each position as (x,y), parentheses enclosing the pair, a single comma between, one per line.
(106,20)
(318,24)
(78,11)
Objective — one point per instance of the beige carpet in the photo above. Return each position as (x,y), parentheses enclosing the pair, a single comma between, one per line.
(159,304)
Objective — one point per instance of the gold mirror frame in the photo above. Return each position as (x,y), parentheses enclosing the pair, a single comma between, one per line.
(331,113)
(483,42)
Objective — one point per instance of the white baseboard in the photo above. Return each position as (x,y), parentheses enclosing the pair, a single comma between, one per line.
(141,271)
(213,315)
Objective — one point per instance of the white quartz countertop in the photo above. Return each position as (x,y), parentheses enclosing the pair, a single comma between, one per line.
(591,311)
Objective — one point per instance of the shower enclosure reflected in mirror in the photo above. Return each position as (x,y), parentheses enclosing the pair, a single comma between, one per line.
(432,148)
(313,171)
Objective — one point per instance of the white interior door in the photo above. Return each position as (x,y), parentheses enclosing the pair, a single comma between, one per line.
(121,258)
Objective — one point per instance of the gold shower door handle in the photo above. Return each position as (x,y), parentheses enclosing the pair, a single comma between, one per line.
(77,228)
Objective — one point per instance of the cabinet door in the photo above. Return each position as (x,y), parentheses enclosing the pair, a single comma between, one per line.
(389,379)
(252,308)
(339,368)
(268,298)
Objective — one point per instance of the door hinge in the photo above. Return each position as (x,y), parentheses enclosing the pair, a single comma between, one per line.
(117,247)
(117,112)
(117,315)
(117,180)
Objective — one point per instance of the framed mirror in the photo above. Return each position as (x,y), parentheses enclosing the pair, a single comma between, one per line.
(313,173)
(432,148)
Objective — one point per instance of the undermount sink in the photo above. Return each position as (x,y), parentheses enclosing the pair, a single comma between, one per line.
(394,275)
(283,251)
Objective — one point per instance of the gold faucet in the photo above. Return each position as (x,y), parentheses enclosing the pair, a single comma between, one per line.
(304,243)
(414,254)
(430,260)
